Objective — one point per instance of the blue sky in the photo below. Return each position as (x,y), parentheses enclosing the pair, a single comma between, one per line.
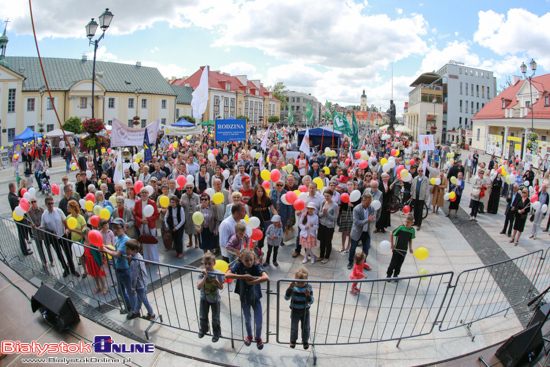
(332,49)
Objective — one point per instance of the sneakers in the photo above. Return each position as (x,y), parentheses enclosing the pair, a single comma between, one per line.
(259,344)
(354,292)
(293,345)
(324,261)
(132,316)
(151,317)
(356,289)
(275,263)
(305,260)
(266,263)
(350,265)
(248,341)
(312,260)
(306,345)
(342,250)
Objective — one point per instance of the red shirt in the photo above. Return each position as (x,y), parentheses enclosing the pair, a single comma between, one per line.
(247,194)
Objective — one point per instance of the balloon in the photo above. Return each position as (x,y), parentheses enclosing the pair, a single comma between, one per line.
(148,211)
(24,204)
(23,191)
(246,219)
(544,208)
(27,196)
(181,180)
(112,199)
(15,216)
(175,144)
(55,189)
(452,195)
(266,185)
(404,173)
(299,204)
(385,246)
(303,196)
(94,220)
(254,222)
(265,175)
(534,198)
(289,168)
(438,181)
(150,189)
(354,196)
(364,155)
(135,166)
(257,234)
(397,152)
(275,175)
(318,182)
(421,253)
(210,192)
(140,156)
(88,174)
(326,170)
(19,211)
(97,209)
(344,197)
(357,155)
(222,266)
(393,152)
(537,205)
(383,161)
(95,238)
(386,167)
(82,203)
(376,204)
(363,164)
(218,198)
(138,186)
(109,150)
(406,209)
(72,223)
(408,178)
(347,161)
(291,197)
(211,157)
(446,196)
(526,183)
(198,218)
(190,178)
(423,271)
(90,197)
(453,180)
(453,199)
(225,174)
(105,214)
(432,181)
(164,201)
(89,206)
(32,192)
(283,199)
(215,152)
(302,188)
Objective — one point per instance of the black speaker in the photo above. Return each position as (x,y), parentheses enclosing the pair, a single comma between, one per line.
(522,348)
(540,314)
(57,309)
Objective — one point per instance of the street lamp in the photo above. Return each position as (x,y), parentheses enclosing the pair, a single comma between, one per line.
(104,22)
(523,68)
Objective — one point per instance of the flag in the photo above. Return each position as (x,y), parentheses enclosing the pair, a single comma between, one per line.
(355,132)
(326,110)
(346,124)
(118,168)
(200,95)
(264,141)
(147,155)
(338,124)
(304,147)
(309,112)
(290,116)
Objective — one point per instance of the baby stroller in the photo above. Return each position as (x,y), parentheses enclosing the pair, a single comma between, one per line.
(45,183)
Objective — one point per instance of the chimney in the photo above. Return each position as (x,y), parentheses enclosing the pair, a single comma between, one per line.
(516,78)
(187,84)
(84,58)
(21,70)
(138,64)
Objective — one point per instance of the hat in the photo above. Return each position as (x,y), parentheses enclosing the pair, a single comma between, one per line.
(245,179)
(276,218)
(119,221)
(311,205)
(154,179)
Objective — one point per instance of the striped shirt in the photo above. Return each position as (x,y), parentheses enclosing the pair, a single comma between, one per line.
(298,298)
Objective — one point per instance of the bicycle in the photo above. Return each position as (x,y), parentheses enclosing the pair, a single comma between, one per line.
(397,204)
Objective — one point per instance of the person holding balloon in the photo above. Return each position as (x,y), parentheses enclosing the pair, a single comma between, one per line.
(94,264)
(174,221)
(522,211)
(146,214)
(207,223)
(75,225)
(455,193)
(101,201)
(261,207)
(541,207)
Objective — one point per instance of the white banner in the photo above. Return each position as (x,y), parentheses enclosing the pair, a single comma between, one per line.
(123,136)
(426,142)
(182,131)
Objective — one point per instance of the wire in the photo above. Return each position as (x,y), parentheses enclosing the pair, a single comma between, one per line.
(13,284)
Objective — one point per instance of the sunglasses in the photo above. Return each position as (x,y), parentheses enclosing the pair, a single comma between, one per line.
(34,201)
(49,203)
(204,199)
(188,188)
(279,185)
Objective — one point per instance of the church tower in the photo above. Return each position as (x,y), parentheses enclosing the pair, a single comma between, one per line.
(363,101)
(3,43)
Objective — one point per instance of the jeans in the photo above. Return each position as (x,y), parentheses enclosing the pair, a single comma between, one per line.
(216,325)
(296,316)
(257,318)
(125,285)
(139,298)
(365,240)
(475,208)
(275,250)
(67,165)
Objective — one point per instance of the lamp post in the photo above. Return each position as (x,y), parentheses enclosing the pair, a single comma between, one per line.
(523,68)
(104,22)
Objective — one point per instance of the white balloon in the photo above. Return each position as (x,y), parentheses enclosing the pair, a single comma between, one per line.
(190,178)
(254,222)
(32,192)
(446,196)
(88,174)
(211,157)
(135,166)
(283,199)
(82,202)
(385,246)
(391,163)
(386,167)
(526,183)
(327,149)
(253,152)
(376,204)
(392,158)
(210,193)
(512,178)
(27,196)
(438,181)
(48,172)
(407,179)
(303,196)
(248,230)
(531,189)
(122,183)
(148,211)
(365,155)
(536,205)
(544,208)
(150,189)
(355,195)
(226,174)
(19,211)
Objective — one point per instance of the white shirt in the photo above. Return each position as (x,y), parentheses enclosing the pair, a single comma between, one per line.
(366,225)
(237,181)
(53,221)
(226,230)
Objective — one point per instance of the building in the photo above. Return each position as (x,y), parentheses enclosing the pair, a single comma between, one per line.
(501,126)
(298,101)
(230,96)
(183,100)
(364,106)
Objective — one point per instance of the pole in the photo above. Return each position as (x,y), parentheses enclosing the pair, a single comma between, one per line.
(531,104)
(93,77)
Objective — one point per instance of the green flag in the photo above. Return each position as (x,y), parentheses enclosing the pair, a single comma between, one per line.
(290,115)
(346,124)
(338,124)
(309,112)
(326,110)
(355,132)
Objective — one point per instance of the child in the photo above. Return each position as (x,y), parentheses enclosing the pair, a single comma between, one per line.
(300,295)
(357,273)
(274,235)
(210,283)
(309,223)
(246,271)
(108,235)
(94,264)
(236,243)
(405,235)
(343,178)
(139,281)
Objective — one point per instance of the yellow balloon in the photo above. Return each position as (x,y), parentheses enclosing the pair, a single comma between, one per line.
(188,137)
(452,195)
(423,271)
(297,192)
(102,150)
(319,183)
(383,161)
(267,159)
(89,205)
(222,266)
(140,156)
(112,248)
(326,170)
(397,152)
(289,168)
(105,214)
(432,181)
(267,191)
(421,253)
(175,144)
(246,218)
(72,223)
(16,217)
(164,201)
(218,198)
(198,218)
(404,173)
(453,180)
(112,199)
(137,160)
(266,175)
(209,151)
(97,209)
(258,155)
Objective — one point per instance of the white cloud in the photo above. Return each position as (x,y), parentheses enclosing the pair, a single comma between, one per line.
(459,51)
(154,49)
(239,68)
(399,11)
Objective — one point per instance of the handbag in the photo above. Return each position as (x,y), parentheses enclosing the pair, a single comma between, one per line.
(167,239)
(147,238)
(476,192)
(532,217)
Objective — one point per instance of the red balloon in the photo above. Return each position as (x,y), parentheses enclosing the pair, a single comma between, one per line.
(299,204)
(302,188)
(23,191)
(406,209)
(94,220)
(453,199)
(95,238)
(499,170)
(55,189)
(170,147)
(204,145)
(181,180)
(215,152)
(393,152)
(109,150)
(357,155)
(534,198)
(90,197)
(138,186)
(344,197)
(24,204)
(399,168)
(275,175)
(347,162)
(517,160)
(291,197)
(363,164)
(257,234)
(266,185)
(363,147)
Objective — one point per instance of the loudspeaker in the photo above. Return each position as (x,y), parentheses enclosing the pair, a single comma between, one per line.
(540,314)
(521,348)
(57,309)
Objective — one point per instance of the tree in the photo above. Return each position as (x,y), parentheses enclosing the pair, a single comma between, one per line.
(74,125)
(507,83)
(273,119)
(242,117)
(189,119)
(280,92)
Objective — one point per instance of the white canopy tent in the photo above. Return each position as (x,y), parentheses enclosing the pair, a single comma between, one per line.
(58,133)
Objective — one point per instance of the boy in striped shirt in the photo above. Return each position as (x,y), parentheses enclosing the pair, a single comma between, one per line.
(300,295)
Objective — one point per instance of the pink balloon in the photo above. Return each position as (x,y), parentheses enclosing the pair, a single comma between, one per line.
(363,164)
(344,197)
(181,180)
(138,186)
(55,189)
(400,168)
(90,197)
(215,152)
(275,175)
(302,188)
(291,197)
(299,205)
(347,162)
(24,204)
(534,198)
(393,152)
(266,185)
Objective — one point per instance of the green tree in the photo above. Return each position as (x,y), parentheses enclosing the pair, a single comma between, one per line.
(189,119)
(273,119)
(74,125)
(242,117)
(280,92)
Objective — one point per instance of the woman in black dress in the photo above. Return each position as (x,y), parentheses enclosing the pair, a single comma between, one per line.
(457,187)
(385,215)
(261,207)
(494,198)
(522,211)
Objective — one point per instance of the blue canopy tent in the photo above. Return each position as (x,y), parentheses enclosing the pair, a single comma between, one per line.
(325,135)
(183,123)
(27,135)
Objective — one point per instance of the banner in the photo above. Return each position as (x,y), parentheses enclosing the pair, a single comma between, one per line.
(230,130)
(426,142)
(494,145)
(124,136)
(182,131)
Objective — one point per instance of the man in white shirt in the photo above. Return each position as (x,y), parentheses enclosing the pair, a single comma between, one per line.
(227,227)
(192,167)
(237,181)
(468,168)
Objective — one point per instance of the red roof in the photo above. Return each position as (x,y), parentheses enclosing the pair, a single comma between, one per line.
(493,109)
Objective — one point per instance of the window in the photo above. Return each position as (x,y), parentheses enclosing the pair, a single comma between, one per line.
(477,91)
(527,104)
(216,100)
(482,91)
(488,94)
(460,70)
(471,73)
(466,122)
(144,103)
(111,103)
(130,103)
(293,99)
(477,107)
(31,127)
(297,108)
(298,99)
(472,107)
(233,102)
(130,123)
(49,104)
(466,88)
(482,105)
(482,74)
(478,134)
(11,100)
(163,104)
(30,104)
(143,123)
(83,102)
(472,85)
(543,137)
(163,121)
(546,101)
(503,104)
(465,71)
(110,122)
(11,134)
(460,109)
(49,128)
(240,110)
(477,73)
(177,113)
(466,107)
(460,87)
(460,121)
